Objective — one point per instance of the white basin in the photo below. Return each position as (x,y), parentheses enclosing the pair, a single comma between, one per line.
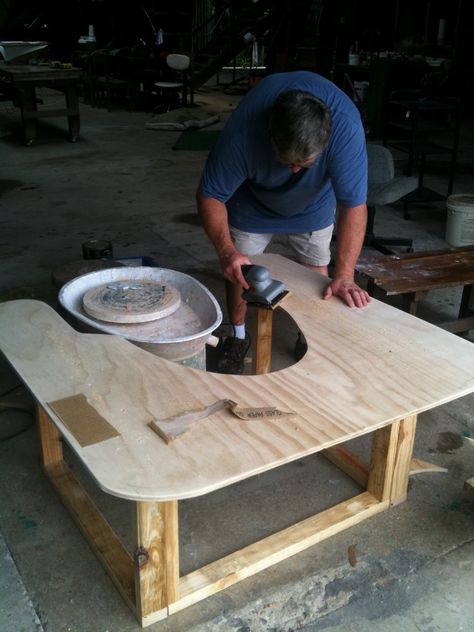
(13,49)
(179,335)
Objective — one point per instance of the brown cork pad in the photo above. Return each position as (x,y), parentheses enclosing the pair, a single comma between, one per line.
(82,420)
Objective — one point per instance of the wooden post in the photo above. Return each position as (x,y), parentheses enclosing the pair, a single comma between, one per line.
(262,337)
(392,449)
(467,300)
(410,302)
(401,470)
(50,439)
(384,449)
(72,106)
(157,557)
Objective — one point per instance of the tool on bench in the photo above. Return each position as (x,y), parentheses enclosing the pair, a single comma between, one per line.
(264,291)
(170,429)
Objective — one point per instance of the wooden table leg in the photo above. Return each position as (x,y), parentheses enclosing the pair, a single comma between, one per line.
(110,551)
(50,439)
(28,113)
(410,303)
(467,300)
(73,117)
(401,468)
(392,450)
(156,559)
(382,461)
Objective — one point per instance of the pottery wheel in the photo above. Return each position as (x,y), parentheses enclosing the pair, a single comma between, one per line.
(131,301)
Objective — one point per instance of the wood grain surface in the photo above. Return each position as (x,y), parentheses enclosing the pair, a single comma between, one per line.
(419,271)
(364,369)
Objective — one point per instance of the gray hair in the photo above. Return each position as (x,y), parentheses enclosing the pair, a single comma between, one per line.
(300,125)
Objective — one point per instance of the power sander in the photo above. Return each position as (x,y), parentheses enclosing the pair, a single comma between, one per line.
(263,291)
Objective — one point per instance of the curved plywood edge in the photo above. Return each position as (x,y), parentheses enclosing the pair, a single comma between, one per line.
(363,370)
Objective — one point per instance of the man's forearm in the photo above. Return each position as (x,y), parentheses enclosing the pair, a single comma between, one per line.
(350,239)
(214,220)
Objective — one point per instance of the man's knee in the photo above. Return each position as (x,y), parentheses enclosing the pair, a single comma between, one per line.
(313,249)
(250,243)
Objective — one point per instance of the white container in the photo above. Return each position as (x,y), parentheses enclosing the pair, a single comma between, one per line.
(460,219)
(361,88)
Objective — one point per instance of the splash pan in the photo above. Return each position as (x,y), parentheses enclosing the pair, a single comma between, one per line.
(176,335)
(13,49)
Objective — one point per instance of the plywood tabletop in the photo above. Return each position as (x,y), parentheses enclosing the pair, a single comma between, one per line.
(364,369)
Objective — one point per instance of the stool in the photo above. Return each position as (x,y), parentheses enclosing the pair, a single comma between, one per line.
(413,275)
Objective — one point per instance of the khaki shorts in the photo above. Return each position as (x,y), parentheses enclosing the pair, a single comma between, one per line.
(310,248)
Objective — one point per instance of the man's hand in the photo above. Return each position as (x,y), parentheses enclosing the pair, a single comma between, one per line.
(213,215)
(348,291)
(231,264)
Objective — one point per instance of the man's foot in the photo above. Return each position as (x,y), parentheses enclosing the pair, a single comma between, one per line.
(233,352)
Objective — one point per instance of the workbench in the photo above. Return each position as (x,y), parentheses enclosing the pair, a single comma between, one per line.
(368,370)
(413,275)
(19,82)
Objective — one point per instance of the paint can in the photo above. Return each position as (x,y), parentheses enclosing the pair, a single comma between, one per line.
(460,220)
(97,249)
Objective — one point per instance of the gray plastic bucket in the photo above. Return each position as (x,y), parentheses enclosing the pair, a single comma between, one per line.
(460,219)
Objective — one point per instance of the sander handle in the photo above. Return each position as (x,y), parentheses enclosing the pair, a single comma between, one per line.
(256,276)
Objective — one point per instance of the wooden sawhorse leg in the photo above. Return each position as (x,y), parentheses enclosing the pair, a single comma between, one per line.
(392,449)
(157,559)
(149,580)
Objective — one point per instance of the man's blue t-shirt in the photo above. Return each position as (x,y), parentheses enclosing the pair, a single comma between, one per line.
(264,196)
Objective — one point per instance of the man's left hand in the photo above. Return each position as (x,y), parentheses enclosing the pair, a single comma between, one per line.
(348,291)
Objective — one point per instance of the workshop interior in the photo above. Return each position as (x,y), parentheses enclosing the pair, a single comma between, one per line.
(327,485)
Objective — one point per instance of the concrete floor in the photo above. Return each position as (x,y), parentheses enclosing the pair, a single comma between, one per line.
(414,565)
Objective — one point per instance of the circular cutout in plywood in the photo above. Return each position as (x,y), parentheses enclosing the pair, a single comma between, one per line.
(131,301)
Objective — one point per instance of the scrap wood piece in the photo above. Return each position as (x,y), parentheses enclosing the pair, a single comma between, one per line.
(169,429)
(358,470)
(417,466)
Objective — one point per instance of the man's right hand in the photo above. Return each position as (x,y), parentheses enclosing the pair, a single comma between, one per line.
(231,264)
(213,215)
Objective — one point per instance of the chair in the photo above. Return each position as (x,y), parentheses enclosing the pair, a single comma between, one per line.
(104,84)
(423,125)
(169,90)
(384,188)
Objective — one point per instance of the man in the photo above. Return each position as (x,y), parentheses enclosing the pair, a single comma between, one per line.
(293,149)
